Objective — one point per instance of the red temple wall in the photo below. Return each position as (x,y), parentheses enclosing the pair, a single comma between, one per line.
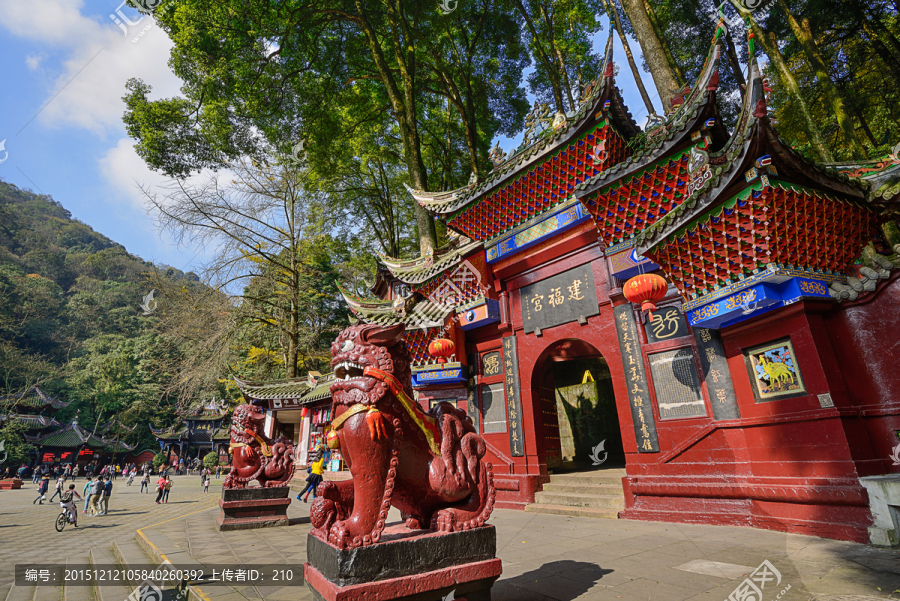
(865,336)
(787,465)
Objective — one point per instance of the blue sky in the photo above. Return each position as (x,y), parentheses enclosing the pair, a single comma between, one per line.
(65,64)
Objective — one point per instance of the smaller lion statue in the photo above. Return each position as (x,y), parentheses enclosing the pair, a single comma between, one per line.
(256,456)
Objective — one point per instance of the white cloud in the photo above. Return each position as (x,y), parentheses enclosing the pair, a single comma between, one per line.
(126,173)
(99,57)
(33,61)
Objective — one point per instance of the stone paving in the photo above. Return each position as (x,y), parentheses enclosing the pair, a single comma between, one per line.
(27,533)
(545,557)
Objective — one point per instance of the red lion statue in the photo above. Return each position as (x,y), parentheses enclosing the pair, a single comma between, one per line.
(428,465)
(256,456)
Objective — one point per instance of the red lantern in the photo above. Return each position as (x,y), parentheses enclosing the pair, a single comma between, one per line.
(645,289)
(304,412)
(441,348)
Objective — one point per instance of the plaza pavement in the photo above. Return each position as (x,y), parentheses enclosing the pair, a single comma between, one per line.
(545,557)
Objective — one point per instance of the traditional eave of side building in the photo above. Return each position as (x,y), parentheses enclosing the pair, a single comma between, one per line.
(33,399)
(416,313)
(74,436)
(283,390)
(420,270)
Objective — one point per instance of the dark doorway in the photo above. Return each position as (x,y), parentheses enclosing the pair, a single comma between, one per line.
(578,406)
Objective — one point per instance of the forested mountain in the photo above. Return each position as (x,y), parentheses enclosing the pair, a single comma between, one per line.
(70,315)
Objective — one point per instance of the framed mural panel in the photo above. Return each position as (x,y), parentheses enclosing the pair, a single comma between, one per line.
(773,370)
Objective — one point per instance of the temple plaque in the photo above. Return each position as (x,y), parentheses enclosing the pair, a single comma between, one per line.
(677,385)
(667,323)
(565,297)
(513,398)
(716,374)
(636,381)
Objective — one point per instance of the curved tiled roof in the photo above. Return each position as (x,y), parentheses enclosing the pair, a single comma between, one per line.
(292,389)
(881,178)
(662,139)
(423,314)
(422,269)
(73,436)
(445,203)
(752,138)
(34,399)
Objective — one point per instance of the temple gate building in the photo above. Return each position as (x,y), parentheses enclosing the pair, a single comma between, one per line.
(764,384)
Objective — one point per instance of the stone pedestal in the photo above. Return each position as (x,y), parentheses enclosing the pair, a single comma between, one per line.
(244,508)
(406,566)
(884,501)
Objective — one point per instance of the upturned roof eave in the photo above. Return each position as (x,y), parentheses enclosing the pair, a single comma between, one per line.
(442,204)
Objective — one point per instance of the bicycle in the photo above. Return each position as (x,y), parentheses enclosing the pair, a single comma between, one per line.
(62,519)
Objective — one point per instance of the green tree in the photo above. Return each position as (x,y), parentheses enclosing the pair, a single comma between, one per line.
(211,459)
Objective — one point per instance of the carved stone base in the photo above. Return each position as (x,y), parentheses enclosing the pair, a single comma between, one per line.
(244,508)
(406,566)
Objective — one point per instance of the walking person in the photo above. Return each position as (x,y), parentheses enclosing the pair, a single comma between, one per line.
(130,478)
(167,488)
(218,471)
(145,482)
(60,482)
(96,494)
(206,484)
(67,501)
(160,489)
(42,489)
(107,492)
(86,491)
(315,477)
(75,471)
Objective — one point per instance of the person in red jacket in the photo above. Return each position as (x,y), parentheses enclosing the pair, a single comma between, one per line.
(160,488)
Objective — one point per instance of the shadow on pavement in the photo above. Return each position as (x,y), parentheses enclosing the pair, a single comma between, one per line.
(555,581)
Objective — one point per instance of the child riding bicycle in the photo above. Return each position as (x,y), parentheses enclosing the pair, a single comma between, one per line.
(67,501)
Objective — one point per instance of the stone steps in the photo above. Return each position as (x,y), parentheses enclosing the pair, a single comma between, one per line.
(21,593)
(131,556)
(582,512)
(79,593)
(597,494)
(48,593)
(108,590)
(585,489)
(572,499)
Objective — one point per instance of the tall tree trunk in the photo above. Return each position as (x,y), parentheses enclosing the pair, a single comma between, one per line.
(770,47)
(735,63)
(876,34)
(865,126)
(679,74)
(652,48)
(612,10)
(544,56)
(403,101)
(832,93)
